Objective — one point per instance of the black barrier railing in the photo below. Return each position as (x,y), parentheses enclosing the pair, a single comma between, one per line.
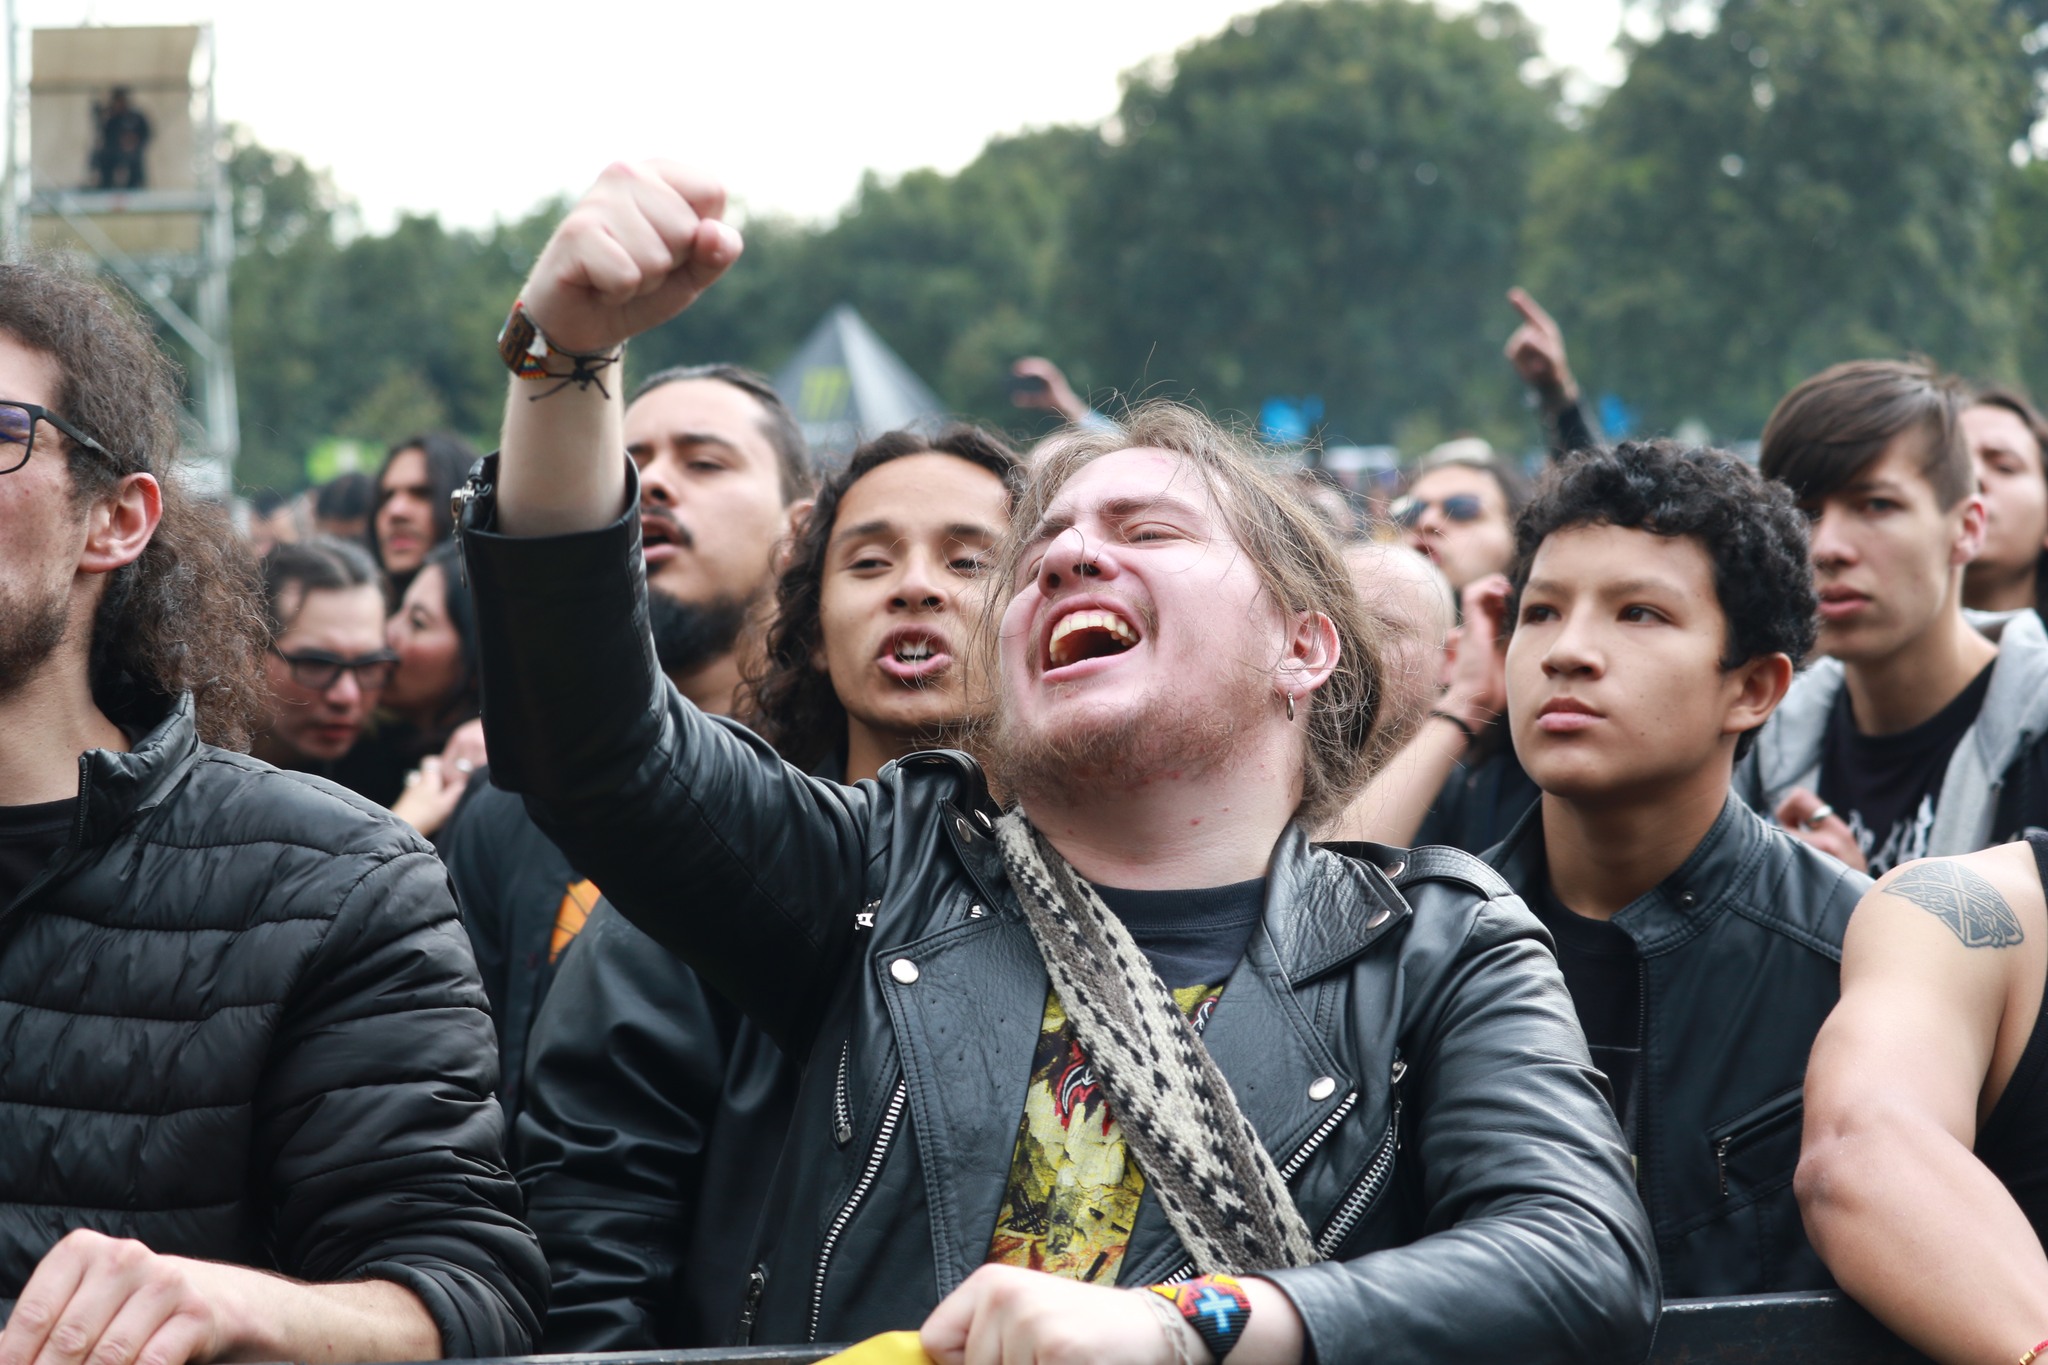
(1776,1329)
(1769,1329)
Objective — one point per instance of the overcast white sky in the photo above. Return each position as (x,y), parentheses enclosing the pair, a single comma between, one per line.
(479,109)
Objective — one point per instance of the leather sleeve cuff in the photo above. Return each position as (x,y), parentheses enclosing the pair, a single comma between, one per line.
(566,657)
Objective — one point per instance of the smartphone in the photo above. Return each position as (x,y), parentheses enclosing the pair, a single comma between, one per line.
(1028,386)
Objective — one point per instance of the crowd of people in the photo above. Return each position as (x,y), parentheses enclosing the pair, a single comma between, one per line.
(1120,901)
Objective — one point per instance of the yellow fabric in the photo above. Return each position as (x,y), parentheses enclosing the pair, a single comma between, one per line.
(890,1348)
(575,909)
(1073,1190)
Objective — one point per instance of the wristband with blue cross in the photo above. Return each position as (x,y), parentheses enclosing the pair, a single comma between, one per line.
(1216,1306)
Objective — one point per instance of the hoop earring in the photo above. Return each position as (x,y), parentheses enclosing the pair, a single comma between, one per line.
(1290,708)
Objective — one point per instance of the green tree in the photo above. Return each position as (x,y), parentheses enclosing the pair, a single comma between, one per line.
(1801,184)
(953,271)
(1324,198)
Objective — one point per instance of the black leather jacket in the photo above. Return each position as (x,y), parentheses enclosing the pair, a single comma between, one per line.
(656,1116)
(1741,952)
(1413,1064)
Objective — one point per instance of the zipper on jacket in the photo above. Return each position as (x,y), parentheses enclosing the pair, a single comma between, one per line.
(84,790)
(884,1135)
(1765,1116)
(1366,1191)
(842,1109)
(1635,1100)
(1317,1138)
(750,1306)
(1375,1176)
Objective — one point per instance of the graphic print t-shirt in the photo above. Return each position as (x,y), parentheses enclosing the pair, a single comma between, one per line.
(1886,786)
(1073,1190)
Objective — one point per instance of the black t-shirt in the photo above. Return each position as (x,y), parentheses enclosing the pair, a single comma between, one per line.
(1600,970)
(1192,938)
(29,837)
(2013,1141)
(1886,786)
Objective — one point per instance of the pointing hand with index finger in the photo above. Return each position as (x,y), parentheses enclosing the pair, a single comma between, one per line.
(636,250)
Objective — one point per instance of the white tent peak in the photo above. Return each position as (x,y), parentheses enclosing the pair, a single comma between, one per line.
(846,386)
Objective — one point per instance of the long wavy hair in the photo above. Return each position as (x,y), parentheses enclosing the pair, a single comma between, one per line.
(1289,545)
(787,699)
(187,615)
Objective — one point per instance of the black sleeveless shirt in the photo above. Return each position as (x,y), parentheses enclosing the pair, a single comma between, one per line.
(2013,1142)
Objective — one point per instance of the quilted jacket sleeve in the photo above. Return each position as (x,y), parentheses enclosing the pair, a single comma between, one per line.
(378,1139)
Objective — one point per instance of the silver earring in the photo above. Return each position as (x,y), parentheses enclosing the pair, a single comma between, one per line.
(1290,708)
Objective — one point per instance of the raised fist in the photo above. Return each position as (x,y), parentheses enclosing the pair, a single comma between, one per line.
(637,249)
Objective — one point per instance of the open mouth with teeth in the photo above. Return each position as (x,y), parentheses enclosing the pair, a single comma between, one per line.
(914,657)
(1081,635)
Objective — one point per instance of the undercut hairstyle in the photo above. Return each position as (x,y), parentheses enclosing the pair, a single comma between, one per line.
(786,698)
(1826,432)
(1750,527)
(185,616)
(1285,541)
(448,458)
(317,564)
(1514,487)
(778,423)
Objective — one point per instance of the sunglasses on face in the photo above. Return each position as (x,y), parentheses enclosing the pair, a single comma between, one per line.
(316,670)
(1459,507)
(18,434)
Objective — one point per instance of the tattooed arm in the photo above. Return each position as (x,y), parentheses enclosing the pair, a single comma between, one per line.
(1942,973)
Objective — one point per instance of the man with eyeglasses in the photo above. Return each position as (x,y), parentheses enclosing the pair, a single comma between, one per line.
(246,1105)
(328,662)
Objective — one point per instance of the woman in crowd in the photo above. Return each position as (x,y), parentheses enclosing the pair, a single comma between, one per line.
(2006,435)
(419,757)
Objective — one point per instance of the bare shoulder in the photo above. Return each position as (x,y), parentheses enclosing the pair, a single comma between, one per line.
(1991,899)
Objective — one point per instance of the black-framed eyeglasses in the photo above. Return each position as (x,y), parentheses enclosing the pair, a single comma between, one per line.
(1458,507)
(18,433)
(316,670)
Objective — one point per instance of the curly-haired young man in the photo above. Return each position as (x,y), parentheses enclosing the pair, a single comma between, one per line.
(655,1111)
(245,1040)
(1661,606)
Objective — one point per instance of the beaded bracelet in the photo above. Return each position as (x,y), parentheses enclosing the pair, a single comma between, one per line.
(1216,1306)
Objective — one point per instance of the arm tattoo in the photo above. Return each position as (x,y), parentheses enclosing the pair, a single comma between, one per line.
(1962,900)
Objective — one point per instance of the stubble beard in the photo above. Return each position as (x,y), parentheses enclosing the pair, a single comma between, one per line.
(30,631)
(1094,755)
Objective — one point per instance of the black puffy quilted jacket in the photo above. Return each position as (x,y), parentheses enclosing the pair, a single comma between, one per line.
(239,1020)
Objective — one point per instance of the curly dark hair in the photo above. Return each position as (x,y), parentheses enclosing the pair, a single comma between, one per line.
(1749,526)
(786,698)
(187,615)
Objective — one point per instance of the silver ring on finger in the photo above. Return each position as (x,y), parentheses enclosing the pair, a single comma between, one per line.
(1820,816)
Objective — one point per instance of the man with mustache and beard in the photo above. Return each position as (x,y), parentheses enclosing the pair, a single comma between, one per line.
(654,1110)
(722,463)
(1131,1072)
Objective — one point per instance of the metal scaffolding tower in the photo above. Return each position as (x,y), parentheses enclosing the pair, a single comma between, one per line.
(156,210)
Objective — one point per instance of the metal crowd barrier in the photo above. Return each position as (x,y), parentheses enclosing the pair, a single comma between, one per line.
(1769,1329)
